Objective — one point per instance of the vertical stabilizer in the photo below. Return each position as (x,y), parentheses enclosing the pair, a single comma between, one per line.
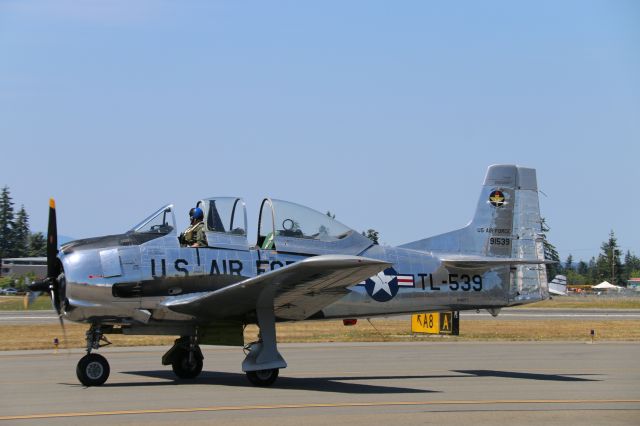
(506,224)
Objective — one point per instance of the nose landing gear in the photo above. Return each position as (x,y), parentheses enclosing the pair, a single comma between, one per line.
(93,369)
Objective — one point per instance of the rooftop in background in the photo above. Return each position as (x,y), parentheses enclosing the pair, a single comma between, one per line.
(17,266)
(25,261)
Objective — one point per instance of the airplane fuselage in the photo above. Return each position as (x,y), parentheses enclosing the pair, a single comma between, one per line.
(116,283)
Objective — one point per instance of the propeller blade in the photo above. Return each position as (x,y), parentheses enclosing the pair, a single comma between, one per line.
(39,286)
(64,331)
(52,242)
(53,267)
(54,283)
(29,298)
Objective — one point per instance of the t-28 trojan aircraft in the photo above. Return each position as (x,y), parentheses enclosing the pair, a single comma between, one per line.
(305,266)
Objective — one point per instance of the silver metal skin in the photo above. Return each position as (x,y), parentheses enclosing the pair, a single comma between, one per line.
(311,267)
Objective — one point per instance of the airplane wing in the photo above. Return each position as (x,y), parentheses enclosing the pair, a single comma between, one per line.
(295,292)
(486,262)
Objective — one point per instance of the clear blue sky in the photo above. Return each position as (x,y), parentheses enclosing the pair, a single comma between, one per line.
(386,113)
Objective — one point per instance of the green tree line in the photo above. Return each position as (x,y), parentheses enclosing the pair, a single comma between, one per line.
(16,239)
(608,266)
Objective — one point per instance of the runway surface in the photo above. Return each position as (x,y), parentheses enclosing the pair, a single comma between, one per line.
(338,383)
(49,317)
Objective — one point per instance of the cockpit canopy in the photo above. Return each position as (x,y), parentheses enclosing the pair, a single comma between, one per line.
(226,215)
(282,226)
(225,219)
(290,227)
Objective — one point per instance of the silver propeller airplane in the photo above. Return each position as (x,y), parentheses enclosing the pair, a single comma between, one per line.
(305,266)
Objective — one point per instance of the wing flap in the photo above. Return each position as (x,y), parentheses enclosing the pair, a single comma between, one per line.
(295,292)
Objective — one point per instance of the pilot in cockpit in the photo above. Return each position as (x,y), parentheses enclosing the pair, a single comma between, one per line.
(194,235)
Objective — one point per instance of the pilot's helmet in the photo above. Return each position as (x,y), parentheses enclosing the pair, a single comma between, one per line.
(198,214)
(191,212)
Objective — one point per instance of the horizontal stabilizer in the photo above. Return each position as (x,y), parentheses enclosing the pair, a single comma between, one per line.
(486,262)
(295,292)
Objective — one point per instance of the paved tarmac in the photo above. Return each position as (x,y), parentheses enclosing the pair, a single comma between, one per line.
(50,317)
(338,383)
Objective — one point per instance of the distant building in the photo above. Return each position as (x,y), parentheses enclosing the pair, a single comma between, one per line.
(633,283)
(24,265)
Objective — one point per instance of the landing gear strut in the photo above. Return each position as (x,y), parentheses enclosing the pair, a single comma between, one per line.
(93,369)
(185,357)
(263,361)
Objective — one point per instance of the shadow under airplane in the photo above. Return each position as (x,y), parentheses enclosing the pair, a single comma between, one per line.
(339,384)
(322,384)
(528,376)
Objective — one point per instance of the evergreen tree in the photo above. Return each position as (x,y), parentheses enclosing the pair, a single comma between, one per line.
(6,224)
(37,245)
(21,234)
(631,266)
(583,268)
(568,264)
(575,278)
(550,252)
(608,265)
(373,235)
(592,271)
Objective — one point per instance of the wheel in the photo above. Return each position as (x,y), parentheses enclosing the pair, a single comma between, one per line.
(263,377)
(185,369)
(92,370)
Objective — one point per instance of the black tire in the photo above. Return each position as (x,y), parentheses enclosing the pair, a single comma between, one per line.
(92,370)
(263,378)
(183,368)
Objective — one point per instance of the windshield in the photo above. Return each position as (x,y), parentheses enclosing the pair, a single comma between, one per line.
(160,222)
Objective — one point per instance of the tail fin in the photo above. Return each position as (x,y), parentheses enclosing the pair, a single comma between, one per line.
(558,286)
(506,224)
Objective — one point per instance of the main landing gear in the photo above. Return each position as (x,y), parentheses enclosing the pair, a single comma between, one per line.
(263,361)
(263,378)
(185,357)
(93,369)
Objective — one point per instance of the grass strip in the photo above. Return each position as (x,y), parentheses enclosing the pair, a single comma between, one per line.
(16,337)
(15,303)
